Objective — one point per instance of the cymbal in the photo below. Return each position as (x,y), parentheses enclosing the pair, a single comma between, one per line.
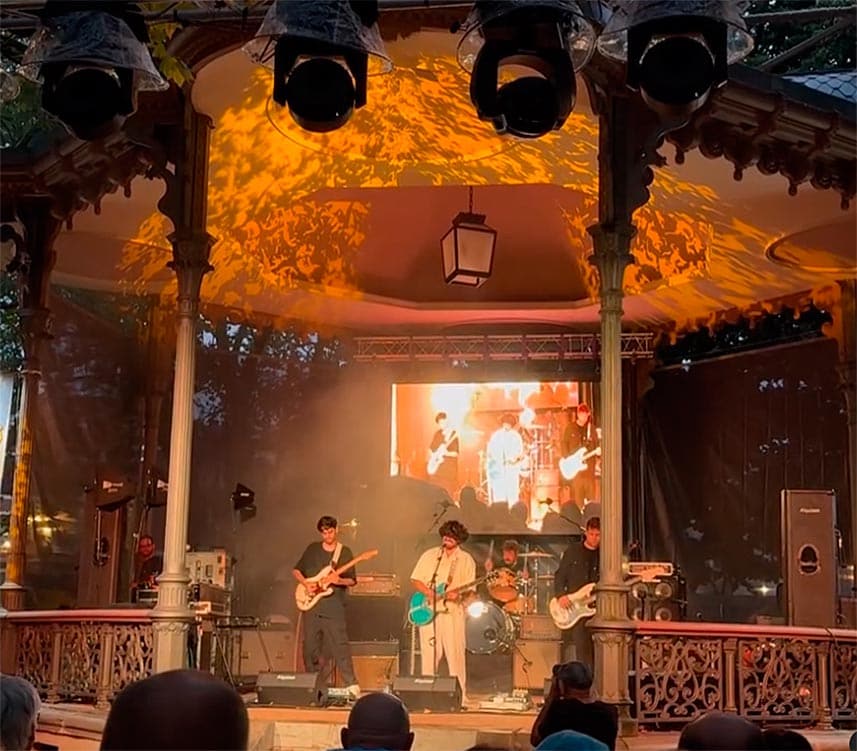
(537,554)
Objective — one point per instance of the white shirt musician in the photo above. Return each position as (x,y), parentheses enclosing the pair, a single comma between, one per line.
(446,636)
(505,453)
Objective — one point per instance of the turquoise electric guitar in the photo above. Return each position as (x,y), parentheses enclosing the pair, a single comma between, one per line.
(420,609)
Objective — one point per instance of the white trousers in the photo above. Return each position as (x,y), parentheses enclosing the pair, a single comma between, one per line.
(451,638)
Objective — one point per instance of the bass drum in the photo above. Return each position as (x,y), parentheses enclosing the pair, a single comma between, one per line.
(488,629)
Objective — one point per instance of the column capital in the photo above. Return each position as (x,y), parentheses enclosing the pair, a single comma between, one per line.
(191,252)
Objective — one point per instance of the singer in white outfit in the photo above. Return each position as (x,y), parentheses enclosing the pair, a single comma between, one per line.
(447,564)
(505,452)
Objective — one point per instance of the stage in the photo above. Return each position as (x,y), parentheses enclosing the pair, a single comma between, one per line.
(78,728)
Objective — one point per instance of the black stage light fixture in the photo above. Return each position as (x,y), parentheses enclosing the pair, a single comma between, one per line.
(522,55)
(91,60)
(677,51)
(322,52)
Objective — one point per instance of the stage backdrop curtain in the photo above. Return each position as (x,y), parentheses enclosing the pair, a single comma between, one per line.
(720,440)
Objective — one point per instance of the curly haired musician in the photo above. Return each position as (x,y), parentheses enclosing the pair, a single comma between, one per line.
(446,564)
(324,629)
(579,566)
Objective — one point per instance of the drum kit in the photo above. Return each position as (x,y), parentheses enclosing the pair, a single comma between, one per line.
(494,626)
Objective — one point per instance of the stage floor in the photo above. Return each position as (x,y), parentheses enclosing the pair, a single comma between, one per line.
(77,728)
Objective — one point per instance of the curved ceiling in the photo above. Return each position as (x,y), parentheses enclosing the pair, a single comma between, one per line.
(345,228)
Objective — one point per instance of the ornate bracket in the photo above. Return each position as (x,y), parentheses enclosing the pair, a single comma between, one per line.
(629,136)
(33,261)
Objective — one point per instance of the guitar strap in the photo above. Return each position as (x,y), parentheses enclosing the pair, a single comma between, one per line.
(334,558)
(451,570)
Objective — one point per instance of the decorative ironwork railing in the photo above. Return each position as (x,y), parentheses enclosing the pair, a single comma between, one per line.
(764,673)
(81,655)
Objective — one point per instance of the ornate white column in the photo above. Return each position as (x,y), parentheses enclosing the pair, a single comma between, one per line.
(172,616)
(185,203)
(612,627)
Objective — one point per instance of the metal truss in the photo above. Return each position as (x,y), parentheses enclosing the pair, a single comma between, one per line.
(493,347)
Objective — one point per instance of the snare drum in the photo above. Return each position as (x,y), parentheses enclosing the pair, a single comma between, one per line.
(488,630)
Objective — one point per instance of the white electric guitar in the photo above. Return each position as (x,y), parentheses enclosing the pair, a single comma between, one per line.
(307,600)
(439,454)
(580,605)
(576,462)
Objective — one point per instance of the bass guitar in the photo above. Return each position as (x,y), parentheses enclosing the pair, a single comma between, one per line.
(575,463)
(580,605)
(307,600)
(423,608)
(439,454)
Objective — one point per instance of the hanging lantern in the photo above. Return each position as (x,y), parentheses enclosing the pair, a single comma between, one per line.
(468,249)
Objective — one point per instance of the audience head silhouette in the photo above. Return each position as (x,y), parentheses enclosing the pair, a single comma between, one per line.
(19,709)
(181,710)
(779,739)
(378,721)
(575,679)
(720,731)
(570,740)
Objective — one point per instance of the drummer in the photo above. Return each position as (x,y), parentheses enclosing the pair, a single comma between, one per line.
(510,560)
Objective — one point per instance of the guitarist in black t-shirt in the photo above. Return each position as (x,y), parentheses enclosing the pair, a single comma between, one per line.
(324,630)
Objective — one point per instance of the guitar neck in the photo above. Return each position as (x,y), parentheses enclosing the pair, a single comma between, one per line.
(354,561)
(469,585)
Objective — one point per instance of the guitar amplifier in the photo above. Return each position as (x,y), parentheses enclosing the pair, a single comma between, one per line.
(210,599)
(538,628)
(533,663)
(376,585)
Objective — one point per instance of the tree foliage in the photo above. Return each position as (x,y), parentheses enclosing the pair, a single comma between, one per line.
(772,39)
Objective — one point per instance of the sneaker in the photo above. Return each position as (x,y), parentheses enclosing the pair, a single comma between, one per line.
(353,691)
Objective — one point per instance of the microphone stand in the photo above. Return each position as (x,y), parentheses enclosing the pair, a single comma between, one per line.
(438,515)
(433,585)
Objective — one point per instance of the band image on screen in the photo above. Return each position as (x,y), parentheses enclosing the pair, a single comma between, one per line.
(526,448)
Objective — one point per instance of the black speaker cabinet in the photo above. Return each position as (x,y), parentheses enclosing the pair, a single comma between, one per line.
(663,599)
(291,689)
(809,557)
(374,617)
(434,693)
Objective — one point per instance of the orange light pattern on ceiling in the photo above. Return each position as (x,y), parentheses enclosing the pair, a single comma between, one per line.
(667,244)
(276,230)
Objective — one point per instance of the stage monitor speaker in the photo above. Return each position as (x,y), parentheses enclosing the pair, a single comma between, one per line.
(533,663)
(433,693)
(291,689)
(809,557)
